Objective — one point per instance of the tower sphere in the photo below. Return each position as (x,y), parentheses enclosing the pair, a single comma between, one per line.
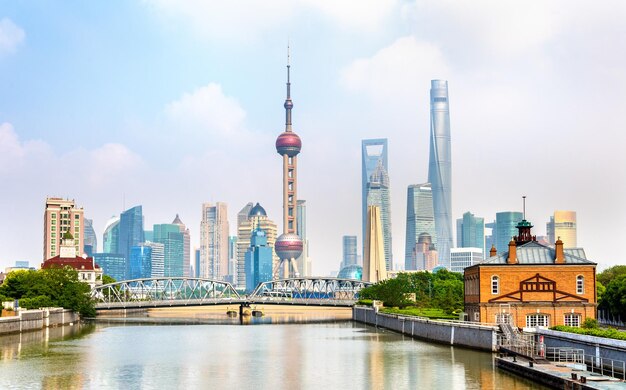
(288,246)
(288,143)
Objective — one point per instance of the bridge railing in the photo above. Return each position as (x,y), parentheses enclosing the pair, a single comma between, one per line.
(319,289)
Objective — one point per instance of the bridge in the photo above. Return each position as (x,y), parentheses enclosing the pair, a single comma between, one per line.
(187,291)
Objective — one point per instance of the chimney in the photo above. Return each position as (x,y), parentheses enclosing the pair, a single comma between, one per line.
(559,257)
(493,252)
(512,259)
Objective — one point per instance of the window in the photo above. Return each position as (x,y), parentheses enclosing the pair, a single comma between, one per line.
(476,316)
(572,320)
(54,228)
(76,216)
(535,320)
(54,221)
(495,285)
(580,284)
(504,318)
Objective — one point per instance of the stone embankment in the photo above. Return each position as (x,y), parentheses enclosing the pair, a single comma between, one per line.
(37,319)
(457,333)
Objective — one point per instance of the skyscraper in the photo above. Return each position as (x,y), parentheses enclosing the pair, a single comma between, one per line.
(349,251)
(113,264)
(373,152)
(186,245)
(173,241)
(461,258)
(110,236)
(470,232)
(506,228)
(140,262)
(562,224)
(232,258)
(90,243)
(258,260)
(378,195)
(303,262)
(196,263)
(130,233)
(214,244)
(289,246)
(61,216)
(257,217)
(157,259)
(440,167)
(374,269)
(420,219)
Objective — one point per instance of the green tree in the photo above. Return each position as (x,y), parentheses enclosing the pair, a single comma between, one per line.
(614,297)
(611,273)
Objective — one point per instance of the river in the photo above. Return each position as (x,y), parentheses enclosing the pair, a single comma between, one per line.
(307,352)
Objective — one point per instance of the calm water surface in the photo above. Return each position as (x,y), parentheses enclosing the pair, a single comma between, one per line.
(342,355)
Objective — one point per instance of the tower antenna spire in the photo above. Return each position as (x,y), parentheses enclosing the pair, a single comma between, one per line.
(288,102)
(524,205)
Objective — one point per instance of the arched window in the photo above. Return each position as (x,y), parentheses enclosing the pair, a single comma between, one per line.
(495,285)
(580,284)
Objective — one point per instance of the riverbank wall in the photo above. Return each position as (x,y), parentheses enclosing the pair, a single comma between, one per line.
(600,347)
(455,333)
(37,319)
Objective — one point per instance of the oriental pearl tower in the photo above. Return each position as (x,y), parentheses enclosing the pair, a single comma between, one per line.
(288,245)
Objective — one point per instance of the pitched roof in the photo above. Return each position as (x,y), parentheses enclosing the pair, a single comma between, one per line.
(78,263)
(535,253)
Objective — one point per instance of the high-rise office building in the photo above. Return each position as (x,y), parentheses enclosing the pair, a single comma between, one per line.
(303,262)
(562,224)
(90,242)
(174,246)
(289,246)
(460,258)
(257,217)
(258,260)
(113,264)
(140,262)
(373,153)
(232,258)
(196,263)
(349,251)
(506,228)
(61,216)
(378,195)
(130,233)
(214,244)
(157,259)
(424,255)
(420,218)
(110,236)
(440,167)
(470,232)
(186,245)
(374,268)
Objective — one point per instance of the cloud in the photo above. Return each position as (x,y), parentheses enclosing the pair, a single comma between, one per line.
(357,14)
(207,111)
(15,154)
(396,71)
(11,36)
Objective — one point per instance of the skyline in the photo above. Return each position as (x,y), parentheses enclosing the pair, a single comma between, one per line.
(161,95)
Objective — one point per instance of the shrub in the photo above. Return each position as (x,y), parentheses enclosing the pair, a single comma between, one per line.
(590,323)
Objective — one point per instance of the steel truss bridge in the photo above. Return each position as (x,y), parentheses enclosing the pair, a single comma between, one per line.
(185,291)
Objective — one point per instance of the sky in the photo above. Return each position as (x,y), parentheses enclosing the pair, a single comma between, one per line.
(169,104)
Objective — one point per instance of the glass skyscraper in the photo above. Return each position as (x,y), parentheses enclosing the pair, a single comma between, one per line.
(157,259)
(440,167)
(174,245)
(304,265)
(470,232)
(140,262)
(505,228)
(349,251)
(130,233)
(378,195)
(111,235)
(214,241)
(373,151)
(420,219)
(90,241)
(112,264)
(258,260)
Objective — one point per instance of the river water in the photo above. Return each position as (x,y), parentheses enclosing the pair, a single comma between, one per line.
(133,354)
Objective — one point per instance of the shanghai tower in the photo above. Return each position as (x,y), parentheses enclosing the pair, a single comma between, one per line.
(440,167)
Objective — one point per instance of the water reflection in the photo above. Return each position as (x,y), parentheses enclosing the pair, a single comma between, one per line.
(320,355)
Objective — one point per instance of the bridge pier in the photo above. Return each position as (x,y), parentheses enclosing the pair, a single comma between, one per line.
(244,309)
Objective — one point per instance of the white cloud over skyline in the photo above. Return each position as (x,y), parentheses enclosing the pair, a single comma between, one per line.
(11,36)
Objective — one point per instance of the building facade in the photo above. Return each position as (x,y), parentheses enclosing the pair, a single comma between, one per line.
(505,228)
(174,248)
(470,232)
(303,262)
(111,235)
(61,216)
(90,242)
(130,233)
(140,262)
(88,270)
(186,245)
(420,218)
(424,255)
(258,259)
(257,217)
(157,259)
(349,251)
(532,284)
(373,154)
(214,241)
(461,258)
(113,264)
(562,226)
(378,195)
(374,267)
(440,167)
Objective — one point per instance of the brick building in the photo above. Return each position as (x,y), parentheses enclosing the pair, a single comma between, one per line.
(532,284)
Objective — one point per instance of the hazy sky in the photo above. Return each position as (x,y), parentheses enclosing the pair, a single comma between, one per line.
(169,104)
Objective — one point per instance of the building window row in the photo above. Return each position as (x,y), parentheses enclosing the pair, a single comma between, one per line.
(535,320)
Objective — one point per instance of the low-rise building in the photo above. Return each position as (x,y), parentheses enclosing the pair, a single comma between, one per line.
(532,284)
(88,271)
